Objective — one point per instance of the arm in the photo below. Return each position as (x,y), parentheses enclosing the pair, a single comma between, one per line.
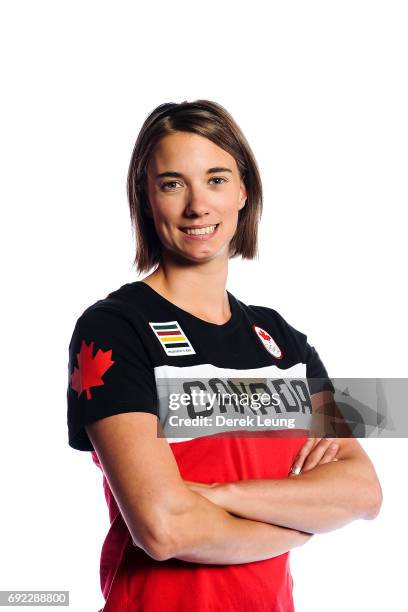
(164,517)
(322,499)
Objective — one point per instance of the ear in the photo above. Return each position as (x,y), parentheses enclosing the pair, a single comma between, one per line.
(242,196)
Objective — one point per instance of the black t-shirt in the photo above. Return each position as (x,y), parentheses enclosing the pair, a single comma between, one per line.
(130,352)
(124,346)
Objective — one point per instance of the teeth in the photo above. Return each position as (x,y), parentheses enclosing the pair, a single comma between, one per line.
(203,230)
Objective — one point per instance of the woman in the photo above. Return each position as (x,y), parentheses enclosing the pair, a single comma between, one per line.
(193,526)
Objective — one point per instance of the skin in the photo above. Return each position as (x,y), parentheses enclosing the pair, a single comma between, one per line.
(168,517)
(324,496)
(195,198)
(165,517)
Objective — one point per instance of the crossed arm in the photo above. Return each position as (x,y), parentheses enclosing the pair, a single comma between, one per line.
(240,522)
(164,516)
(316,501)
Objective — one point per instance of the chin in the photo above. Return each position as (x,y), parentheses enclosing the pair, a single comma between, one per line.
(204,257)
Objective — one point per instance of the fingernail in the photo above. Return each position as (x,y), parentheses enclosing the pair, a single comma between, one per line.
(296,470)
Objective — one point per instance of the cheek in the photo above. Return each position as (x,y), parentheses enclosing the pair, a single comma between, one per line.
(229,211)
(164,212)
(226,203)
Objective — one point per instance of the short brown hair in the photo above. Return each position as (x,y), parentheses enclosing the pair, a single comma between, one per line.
(212,121)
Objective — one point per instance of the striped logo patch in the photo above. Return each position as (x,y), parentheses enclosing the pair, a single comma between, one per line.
(172,338)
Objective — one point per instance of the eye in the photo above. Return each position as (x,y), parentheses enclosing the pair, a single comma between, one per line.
(218,178)
(167,184)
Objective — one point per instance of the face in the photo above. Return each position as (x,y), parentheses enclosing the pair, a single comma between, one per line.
(193,183)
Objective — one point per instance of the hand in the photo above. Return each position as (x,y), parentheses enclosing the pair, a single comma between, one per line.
(315,451)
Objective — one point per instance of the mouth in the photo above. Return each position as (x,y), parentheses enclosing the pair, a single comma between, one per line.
(200,231)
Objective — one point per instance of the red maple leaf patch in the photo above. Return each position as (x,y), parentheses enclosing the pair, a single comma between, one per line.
(264,335)
(90,369)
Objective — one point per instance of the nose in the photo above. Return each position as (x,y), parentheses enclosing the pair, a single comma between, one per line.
(196,202)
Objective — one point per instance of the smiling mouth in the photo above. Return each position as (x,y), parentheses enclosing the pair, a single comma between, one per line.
(209,229)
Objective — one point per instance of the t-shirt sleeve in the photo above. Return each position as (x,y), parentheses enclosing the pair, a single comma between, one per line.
(316,373)
(109,372)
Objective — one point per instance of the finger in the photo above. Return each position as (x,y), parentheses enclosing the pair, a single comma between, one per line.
(328,457)
(324,453)
(317,453)
(305,469)
(300,458)
(303,453)
(309,446)
(330,453)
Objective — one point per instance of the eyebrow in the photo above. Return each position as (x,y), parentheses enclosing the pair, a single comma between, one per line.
(180,175)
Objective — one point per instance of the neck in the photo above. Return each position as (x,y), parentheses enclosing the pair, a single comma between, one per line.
(200,289)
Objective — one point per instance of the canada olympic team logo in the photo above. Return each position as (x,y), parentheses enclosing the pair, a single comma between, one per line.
(268,342)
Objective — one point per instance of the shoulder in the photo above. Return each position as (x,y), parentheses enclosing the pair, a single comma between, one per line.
(119,308)
(114,320)
(270,316)
(295,343)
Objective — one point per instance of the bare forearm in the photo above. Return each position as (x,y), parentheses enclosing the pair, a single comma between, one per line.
(206,533)
(320,500)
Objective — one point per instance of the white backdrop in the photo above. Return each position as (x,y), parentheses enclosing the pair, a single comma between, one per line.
(320,90)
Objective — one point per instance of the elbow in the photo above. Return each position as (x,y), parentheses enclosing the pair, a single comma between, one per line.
(163,534)
(156,541)
(373,501)
(159,551)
